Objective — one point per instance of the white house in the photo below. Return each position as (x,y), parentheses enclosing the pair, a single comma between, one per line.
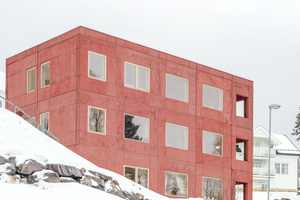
(283,164)
(2,88)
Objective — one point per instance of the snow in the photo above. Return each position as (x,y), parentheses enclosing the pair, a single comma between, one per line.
(2,81)
(275,195)
(286,144)
(20,139)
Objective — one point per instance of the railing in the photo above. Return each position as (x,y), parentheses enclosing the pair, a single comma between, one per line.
(39,127)
(262,171)
(263,152)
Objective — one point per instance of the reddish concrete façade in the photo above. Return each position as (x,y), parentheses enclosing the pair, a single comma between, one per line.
(71,91)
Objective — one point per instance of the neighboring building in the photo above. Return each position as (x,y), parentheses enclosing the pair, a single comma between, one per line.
(2,89)
(283,163)
(165,122)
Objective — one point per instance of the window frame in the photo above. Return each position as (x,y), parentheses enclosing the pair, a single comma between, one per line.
(27,79)
(187,140)
(214,179)
(187,180)
(285,168)
(222,97)
(188,88)
(139,117)
(88,120)
(136,173)
(203,142)
(257,162)
(48,120)
(136,77)
(105,66)
(42,74)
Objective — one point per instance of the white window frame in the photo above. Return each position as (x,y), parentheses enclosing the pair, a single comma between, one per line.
(187,179)
(213,179)
(188,88)
(105,66)
(221,99)
(42,74)
(48,119)
(215,134)
(279,167)
(88,120)
(187,140)
(285,168)
(136,173)
(27,79)
(139,117)
(137,77)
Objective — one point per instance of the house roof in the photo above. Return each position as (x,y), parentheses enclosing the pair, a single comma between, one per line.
(261,132)
(286,147)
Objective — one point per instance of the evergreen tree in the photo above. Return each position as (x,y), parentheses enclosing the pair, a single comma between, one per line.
(296,130)
(131,128)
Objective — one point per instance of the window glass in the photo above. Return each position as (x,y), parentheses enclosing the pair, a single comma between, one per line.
(256,144)
(284,168)
(136,77)
(257,164)
(143,78)
(143,177)
(31,80)
(45,74)
(130,71)
(212,143)
(212,97)
(136,128)
(177,88)
(176,184)
(277,168)
(212,188)
(45,120)
(176,136)
(97,65)
(130,173)
(96,120)
(137,175)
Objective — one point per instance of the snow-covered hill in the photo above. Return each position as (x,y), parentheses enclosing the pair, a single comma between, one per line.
(21,140)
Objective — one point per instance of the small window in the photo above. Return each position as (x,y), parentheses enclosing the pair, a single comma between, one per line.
(31,80)
(284,168)
(45,120)
(136,128)
(177,88)
(212,188)
(241,106)
(97,66)
(177,136)
(212,143)
(277,168)
(31,121)
(176,184)
(136,76)
(264,186)
(96,120)
(257,164)
(45,74)
(256,144)
(241,150)
(212,97)
(138,175)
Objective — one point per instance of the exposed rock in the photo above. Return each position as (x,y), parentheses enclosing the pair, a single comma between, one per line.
(29,167)
(14,179)
(3,160)
(65,170)
(102,176)
(85,181)
(140,196)
(67,180)
(99,181)
(115,189)
(8,168)
(47,176)
(82,171)
(130,196)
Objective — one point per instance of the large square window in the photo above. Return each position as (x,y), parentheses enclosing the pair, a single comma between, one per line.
(45,68)
(137,77)
(212,97)
(97,66)
(212,143)
(96,121)
(177,88)
(31,80)
(136,128)
(212,188)
(177,136)
(44,120)
(138,175)
(176,184)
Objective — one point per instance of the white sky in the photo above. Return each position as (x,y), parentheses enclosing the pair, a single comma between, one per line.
(257,40)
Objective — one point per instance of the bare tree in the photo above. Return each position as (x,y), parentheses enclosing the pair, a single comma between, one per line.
(96,120)
(218,143)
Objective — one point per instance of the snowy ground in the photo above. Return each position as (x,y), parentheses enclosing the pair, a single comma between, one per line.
(19,138)
(275,195)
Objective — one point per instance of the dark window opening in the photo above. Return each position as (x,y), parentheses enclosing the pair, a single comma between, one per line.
(241,149)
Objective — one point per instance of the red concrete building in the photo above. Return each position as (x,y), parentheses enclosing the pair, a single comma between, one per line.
(170,124)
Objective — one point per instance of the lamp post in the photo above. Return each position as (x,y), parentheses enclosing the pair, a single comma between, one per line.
(273,106)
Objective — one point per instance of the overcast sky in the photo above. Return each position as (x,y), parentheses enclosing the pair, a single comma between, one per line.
(257,40)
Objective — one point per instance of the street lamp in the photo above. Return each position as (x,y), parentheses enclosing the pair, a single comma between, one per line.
(273,106)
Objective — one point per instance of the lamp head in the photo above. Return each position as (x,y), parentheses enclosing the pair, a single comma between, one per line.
(274,106)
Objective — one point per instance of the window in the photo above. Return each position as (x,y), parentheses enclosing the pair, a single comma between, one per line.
(257,164)
(264,186)
(256,144)
(277,168)
(96,120)
(212,188)
(241,149)
(30,121)
(136,76)
(241,106)
(0,104)
(177,136)
(284,168)
(138,175)
(31,80)
(136,128)
(212,97)
(97,66)
(176,184)
(45,74)
(177,88)
(212,143)
(44,117)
